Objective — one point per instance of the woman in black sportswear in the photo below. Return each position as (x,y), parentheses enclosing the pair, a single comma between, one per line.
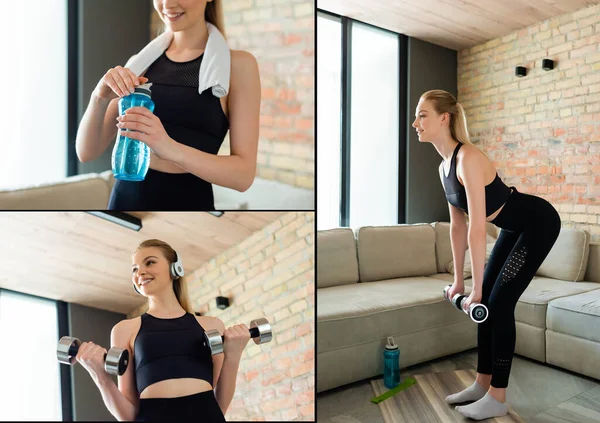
(186,129)
(529,226)
(172,374)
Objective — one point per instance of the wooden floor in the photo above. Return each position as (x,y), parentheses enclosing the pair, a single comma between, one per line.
(538,393)
(425,400)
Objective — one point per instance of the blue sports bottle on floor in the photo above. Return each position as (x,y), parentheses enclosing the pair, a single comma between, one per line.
(391,361)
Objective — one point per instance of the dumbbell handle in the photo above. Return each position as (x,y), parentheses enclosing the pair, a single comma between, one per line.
(254,333)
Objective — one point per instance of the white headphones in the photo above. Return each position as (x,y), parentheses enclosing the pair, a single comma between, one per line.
(176,270)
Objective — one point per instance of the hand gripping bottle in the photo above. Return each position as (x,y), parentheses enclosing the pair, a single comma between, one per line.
(131,158)
(391,368)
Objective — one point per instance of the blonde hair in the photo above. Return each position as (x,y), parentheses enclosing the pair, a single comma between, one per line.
(444,102)
(213,14)
(179,285)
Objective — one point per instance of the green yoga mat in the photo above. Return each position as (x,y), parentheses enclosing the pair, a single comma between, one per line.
(407,383)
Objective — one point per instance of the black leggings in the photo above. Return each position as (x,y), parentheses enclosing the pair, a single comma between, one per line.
(201,407)
(529,228)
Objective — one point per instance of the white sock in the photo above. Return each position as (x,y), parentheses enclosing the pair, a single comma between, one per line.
(472,393)
(486,407)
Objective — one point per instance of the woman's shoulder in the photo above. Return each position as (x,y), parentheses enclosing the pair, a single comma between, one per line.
(211,322)
(243,63)
(242,58)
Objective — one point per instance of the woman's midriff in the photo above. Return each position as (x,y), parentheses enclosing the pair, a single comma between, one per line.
(172,388)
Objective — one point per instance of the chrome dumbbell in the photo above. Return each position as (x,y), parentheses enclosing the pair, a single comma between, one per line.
(260,332)
(477,312)
(115,362)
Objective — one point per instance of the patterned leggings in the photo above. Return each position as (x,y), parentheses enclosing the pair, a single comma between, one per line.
(529,228)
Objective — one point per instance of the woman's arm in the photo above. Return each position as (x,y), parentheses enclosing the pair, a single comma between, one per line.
(458,241)
(97,128)
(458,236)
(122,402)
(236,171)
(472,173)
(225,373)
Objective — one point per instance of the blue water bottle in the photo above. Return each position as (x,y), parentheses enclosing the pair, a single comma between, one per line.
(391,369)
(131,158)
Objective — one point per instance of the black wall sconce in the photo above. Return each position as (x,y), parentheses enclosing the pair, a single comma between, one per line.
(547,64)
(520,71)
(222,303)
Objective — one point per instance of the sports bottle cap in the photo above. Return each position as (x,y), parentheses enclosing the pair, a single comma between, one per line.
(144,89)
(391,345)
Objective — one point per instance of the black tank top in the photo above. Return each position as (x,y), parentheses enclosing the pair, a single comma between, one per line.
(171,349)
(196,120)
(496,193)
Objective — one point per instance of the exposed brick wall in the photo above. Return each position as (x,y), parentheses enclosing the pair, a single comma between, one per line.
(280,34)
(270,274)
(543,130)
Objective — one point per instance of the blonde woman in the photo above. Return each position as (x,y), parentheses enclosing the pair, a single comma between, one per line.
(172,375)
(187,128)
(529,227)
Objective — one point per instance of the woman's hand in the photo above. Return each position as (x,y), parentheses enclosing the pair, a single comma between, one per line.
(456,288)
(118,82)
(235,340)
(475,297)
(145,126)
(91,357)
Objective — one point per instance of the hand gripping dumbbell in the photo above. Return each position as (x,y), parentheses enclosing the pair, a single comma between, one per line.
(260,332)
(115,362)
(477,312)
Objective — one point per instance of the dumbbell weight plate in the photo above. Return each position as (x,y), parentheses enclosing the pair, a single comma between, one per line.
(67,349)
(264,329)
(116,361)
(479,313)
(214,341)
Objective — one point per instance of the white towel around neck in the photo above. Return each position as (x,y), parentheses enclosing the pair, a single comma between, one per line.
(215,67)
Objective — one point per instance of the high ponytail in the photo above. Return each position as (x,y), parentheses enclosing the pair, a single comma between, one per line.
(444,102)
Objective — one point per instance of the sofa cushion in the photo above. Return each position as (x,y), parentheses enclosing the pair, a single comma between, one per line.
(351,315)
(80,192)
(467,268)
(395,251)
(443,246)
(576,315)
(592,274)
(568,257)
(448,278)
(532,305)
(338,263)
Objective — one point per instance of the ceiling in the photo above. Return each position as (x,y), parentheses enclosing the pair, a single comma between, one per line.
(455,24)
(80,258)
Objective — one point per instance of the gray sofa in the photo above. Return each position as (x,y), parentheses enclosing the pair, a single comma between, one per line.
(92,191)
(377,282)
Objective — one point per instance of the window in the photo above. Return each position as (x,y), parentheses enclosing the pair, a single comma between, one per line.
(29,382)
(329,68)
(374,127)
(33,119)
(358,123)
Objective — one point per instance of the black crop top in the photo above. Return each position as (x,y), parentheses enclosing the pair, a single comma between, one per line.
(196,120)
(171,349)
(496,193)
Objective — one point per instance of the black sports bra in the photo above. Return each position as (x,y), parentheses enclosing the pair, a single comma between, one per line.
(496,193)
